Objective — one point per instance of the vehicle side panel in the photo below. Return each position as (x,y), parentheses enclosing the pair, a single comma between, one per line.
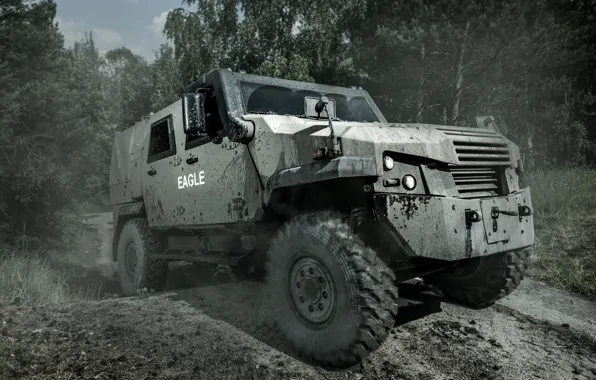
(125,171)
(206,184)
(161,198)
(229,189)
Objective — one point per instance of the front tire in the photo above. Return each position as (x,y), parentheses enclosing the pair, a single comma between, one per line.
(136,270)
(484,280)
(333,298)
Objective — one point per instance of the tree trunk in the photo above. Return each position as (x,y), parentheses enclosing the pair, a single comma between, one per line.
(458,82)
(420,102)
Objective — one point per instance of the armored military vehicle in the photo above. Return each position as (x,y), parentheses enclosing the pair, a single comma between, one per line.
(309,186)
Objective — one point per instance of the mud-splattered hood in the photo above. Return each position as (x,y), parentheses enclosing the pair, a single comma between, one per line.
(289,141)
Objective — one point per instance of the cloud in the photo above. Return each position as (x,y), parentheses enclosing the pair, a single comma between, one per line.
(143,48)
(159,22)
(74,31)
(107,39)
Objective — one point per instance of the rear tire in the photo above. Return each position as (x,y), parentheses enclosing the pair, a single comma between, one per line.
(136,270)
(333,298)
(484,280)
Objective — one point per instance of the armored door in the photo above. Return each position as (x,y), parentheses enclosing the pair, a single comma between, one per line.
(161,168)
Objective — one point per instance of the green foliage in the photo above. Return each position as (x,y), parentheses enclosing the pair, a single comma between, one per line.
(165,78)
(528,64)
(33,89)
(565,249)
(563,193)
(130,78)
(31,279)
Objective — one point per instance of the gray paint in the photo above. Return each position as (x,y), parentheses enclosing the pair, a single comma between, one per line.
(435,227)
(277,152)
(230,192)
(126,163)
(341,167)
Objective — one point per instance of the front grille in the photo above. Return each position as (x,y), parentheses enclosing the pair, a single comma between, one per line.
(482,153)
(478,147)
(474,182)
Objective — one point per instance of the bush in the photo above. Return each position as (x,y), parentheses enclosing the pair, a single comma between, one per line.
(28,278)
(559,194)
(565,249)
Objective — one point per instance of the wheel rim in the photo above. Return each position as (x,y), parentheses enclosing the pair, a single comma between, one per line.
(131,261)
(312,290)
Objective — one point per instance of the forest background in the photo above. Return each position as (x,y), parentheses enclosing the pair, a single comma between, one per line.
(531,65)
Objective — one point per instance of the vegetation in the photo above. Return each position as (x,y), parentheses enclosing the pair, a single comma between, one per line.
(529,64)
(565,250)
(26,277)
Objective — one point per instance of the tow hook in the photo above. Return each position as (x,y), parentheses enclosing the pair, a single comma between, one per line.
(472,216)
(495,212)
(524,211)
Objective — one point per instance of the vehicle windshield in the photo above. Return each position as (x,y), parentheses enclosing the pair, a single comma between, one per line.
(269,99)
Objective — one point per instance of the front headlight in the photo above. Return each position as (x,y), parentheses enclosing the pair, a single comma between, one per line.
(408,182)
(388,163)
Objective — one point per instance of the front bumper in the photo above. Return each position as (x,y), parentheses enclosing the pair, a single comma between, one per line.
(454,229)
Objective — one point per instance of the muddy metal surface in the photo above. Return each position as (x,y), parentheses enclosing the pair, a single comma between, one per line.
(224,331)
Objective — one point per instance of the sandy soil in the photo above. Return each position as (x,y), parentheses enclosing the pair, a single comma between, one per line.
(223,331)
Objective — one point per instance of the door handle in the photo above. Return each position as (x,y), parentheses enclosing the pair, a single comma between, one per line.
(510,213)
(192,160)
(494,212)
(152,172)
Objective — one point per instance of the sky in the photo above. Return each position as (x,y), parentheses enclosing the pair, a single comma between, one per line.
(136,24)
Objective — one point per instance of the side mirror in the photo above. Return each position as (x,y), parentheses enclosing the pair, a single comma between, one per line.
(193,112)
(314,107)
(486,122)
(320,106)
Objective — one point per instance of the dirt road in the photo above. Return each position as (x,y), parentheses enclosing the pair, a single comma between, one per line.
(225,332)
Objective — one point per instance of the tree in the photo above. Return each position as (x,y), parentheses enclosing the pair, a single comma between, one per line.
(166,78)
(202,39)
(131,78)
(87,123)
(32,82)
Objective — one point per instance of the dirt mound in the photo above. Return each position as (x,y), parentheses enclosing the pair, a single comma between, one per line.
(203,329)
(224,332)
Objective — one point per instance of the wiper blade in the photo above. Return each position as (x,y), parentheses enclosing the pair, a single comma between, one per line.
(263,112)
(314,118)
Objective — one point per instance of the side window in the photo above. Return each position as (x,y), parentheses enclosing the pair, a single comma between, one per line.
(161,142)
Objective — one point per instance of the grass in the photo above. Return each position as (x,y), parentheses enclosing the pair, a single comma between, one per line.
(29,278)
(564,253)
(52,276)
